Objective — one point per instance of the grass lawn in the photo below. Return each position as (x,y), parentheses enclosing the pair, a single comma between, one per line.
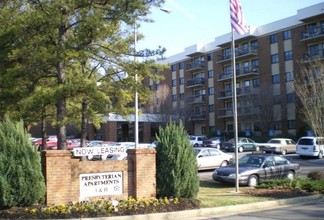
(213,194)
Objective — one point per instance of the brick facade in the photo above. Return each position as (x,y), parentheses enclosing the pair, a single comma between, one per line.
(61,172)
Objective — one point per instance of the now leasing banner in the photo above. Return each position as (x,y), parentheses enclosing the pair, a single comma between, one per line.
(87,151)
(101,184)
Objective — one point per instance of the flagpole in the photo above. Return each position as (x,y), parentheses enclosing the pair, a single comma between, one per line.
(235,114)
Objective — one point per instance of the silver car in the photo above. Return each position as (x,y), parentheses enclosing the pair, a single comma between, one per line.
(211,158)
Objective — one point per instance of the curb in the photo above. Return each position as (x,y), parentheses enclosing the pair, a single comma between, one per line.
(217,211)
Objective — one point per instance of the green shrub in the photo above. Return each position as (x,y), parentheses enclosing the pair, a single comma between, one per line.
(21,180)
(176,164)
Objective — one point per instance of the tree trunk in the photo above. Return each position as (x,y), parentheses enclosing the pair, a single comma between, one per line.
(84,126)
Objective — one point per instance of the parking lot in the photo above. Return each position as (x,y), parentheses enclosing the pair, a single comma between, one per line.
(306,166)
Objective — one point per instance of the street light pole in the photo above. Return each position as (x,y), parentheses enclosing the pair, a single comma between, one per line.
(136,135)
(136,92)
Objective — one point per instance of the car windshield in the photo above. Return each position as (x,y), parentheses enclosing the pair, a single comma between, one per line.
(253,161)
(306,141)
(196,151)
(274,141)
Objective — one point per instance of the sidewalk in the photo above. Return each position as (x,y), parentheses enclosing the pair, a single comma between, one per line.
(217,211)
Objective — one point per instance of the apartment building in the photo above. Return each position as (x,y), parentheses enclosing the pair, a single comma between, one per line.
(200,88)
(267,59)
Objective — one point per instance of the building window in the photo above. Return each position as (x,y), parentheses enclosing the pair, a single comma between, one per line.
(181,96)
(181,80)
(273,38)
(256,83)
(174,82)
(289,76)
(181,65)
(277,125)
(247,83)
(174,98)
(276,79)
(173,67)
(274,58)
(291,98)
(210,73)
(288,55)
(291,124)
(212,129)
(227,53)
(287,35)
(211,108)
(211,91)
(209,57)
(254,44)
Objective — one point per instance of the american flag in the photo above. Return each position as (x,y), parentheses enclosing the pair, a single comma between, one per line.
(237,19)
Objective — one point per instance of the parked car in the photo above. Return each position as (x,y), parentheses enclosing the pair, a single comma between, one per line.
(197,141)
(310,146)
(243,144)
(278,145)
(255,168)
(215,142)
(211,158)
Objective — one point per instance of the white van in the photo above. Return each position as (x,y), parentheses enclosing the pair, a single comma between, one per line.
(310,146)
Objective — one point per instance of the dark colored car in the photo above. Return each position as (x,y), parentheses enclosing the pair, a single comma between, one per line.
(255,168)
(215,142)
(243,143)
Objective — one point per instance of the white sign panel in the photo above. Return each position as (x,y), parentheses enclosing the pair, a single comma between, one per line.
(101,184)
(87,151)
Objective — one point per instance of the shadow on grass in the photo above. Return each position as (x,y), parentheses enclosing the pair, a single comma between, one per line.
(209,184)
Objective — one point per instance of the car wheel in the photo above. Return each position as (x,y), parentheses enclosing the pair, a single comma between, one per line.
(240,149)
(320,155)
(257,148)
(253,181)
(224,163)
(291,175)
(195,145)
(283,152)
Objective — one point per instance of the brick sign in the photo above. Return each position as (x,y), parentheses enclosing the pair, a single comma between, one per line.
(101,184)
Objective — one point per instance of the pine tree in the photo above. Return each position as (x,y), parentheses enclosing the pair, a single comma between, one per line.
(177,173)
(21,179)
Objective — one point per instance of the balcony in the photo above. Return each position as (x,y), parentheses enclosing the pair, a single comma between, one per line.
(239,92)
(228,112)
(315,33)
(195,82)
(308,57)
(246,53)
(195,65)
(198,116)
(245,71)
(197,99)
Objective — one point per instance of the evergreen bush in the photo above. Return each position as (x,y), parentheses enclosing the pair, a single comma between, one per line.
(176,164)
(21,180)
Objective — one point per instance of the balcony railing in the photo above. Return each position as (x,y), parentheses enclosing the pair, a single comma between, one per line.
(242,52)
(307,57)
(313,33)
(197,99)
(239,92)
(228,112)
(245,71)
(195,82)
(197,116)
(195,65)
